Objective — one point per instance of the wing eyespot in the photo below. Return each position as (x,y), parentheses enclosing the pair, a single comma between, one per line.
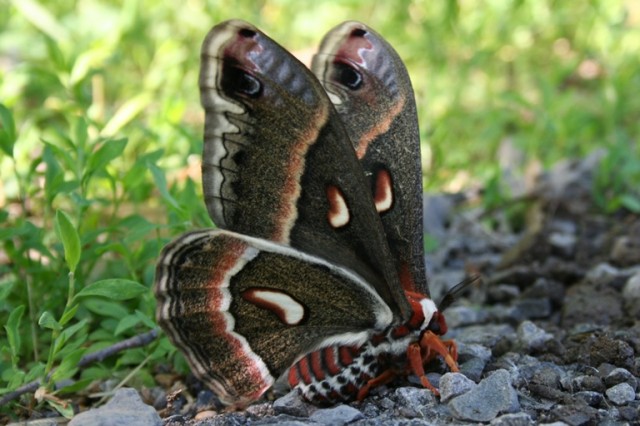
(247,33)
(238,81)
(347,76)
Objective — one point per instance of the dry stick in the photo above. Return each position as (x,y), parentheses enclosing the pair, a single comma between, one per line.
(133,342)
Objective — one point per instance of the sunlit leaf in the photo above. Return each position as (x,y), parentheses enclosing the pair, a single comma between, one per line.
(70,239)
(7,131)
(114,289)
(48,321)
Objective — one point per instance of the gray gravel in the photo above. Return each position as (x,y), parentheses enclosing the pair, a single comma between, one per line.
(551,336)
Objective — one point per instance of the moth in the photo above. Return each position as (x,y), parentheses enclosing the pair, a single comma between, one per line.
(315,277)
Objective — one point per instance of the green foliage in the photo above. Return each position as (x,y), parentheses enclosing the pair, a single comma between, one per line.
(100,123)
(617,178)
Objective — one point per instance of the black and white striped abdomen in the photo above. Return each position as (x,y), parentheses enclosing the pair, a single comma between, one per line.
(338,373)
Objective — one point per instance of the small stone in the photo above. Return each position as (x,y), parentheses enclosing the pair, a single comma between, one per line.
(621,375)
(493,396)
(124,408)
(605,348)
(502,293)
(459,316)
(531,308)
(515,419)
(339,415)
(595,304)
(563,245)
(590,397)
(631,296)
(53,421)
(629,414)
(473,368)
(531,337)
(293,405)
(260,410)
(472,359)
(454,384)
(548,374)
(588,383)
(485,335)
(411,396)
(279,420)
(574,414)
(621,393)
(412,402)
(468,351)
(602,274)
(544,288)
(625,251)
(206,400)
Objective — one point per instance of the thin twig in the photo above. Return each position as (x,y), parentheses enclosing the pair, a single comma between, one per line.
(133,342)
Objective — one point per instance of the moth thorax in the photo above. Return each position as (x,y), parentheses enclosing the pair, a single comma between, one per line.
(429,310)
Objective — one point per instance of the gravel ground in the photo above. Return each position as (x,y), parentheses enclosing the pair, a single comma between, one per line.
(550,336)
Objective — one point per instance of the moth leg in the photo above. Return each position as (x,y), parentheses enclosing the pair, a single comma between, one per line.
(434,346)
(382,379)
(416,365)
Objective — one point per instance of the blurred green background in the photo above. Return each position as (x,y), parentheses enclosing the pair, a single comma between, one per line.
(101,128)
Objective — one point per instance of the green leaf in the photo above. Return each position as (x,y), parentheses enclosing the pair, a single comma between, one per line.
(48,321)
(145,319)
(126,323)
(66,411)
(114,289)
(631,202)
(69,314)
(13,332)
(126,113)
(161,184)
(109,150)
(7,131)
(36,372)
(66,334)
(75,387)
(43,19)
(14,377)
(105,308)
(69,366)
(70,239)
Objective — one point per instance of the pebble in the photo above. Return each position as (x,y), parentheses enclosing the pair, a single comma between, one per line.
(588,383)
(293,405)
(460,316)
(454,384)
(590,397)
(281,420)
(502,293)
(472,359)
(621,375)
(625,251)
(562,244)
(124,408)
(414,402)
(531,308)
(339,415)
(631,295)
(493,396)
(486,335)
(513,419)
(621,393)
(602,274)
(410,396)
(531,337)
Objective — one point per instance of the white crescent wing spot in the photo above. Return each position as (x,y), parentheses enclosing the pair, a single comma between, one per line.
(290,311)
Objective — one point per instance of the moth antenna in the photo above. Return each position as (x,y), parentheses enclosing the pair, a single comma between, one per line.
(454,292)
